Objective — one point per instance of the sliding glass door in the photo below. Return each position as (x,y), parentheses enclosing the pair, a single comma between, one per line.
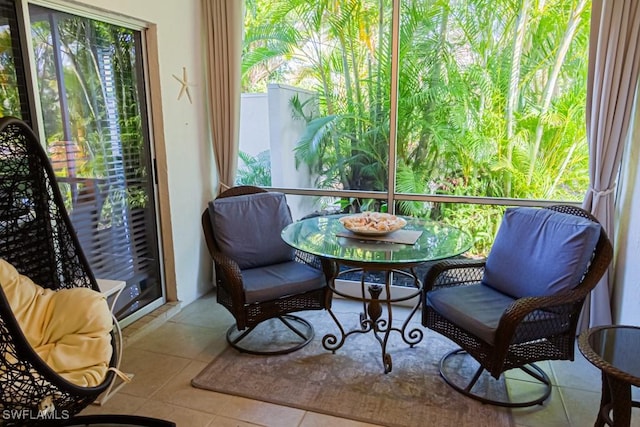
(89,90)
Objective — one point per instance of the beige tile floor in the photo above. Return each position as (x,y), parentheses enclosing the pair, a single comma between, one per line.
(169,347)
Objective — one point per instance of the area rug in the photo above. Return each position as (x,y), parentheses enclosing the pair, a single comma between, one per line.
(352,384)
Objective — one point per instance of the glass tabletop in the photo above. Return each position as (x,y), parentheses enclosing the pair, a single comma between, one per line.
(617,347)
(318,236)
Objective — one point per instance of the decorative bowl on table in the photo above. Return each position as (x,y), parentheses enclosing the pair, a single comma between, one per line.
(372,223)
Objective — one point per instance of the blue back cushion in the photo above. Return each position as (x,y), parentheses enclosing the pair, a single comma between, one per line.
(540,252)
(247,228)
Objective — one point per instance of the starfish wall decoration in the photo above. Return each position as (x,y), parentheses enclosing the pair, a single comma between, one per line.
(184,89)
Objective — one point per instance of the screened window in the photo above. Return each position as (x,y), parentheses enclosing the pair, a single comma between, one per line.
(473,100)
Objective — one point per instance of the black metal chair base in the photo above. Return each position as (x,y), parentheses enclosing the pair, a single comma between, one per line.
(531,369)
(302,330)
(111,420)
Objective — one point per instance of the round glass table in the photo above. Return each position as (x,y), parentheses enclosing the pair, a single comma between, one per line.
(614,350)
(326,237)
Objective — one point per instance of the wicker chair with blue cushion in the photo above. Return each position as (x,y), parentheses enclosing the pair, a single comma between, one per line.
(258,276)
(521,305)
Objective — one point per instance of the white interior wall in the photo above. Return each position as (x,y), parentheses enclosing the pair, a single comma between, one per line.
(626,295)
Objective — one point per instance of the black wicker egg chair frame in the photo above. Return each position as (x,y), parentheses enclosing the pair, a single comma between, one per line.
(524,330)
(231,290)
(37,238)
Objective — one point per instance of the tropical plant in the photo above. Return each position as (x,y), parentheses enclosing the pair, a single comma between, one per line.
(102,114)
(254,170)
(491,95)
(10,105)
(332,48)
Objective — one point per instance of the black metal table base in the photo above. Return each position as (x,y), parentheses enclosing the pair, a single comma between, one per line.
(371,320)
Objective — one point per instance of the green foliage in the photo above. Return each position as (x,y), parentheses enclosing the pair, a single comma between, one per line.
(9,95)
(480,221)
(99,138)
(485,107)
(254,170)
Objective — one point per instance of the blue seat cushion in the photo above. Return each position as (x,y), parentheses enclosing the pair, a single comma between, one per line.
(279,280)
(478,308)
(540,252)
(247,228)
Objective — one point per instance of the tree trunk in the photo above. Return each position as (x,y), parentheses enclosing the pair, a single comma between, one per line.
(572,27)
(514,90)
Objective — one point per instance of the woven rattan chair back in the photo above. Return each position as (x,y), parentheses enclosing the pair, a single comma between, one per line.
(37,237)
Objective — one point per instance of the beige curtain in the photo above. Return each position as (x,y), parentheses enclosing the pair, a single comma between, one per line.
(223,23)
(614,59)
